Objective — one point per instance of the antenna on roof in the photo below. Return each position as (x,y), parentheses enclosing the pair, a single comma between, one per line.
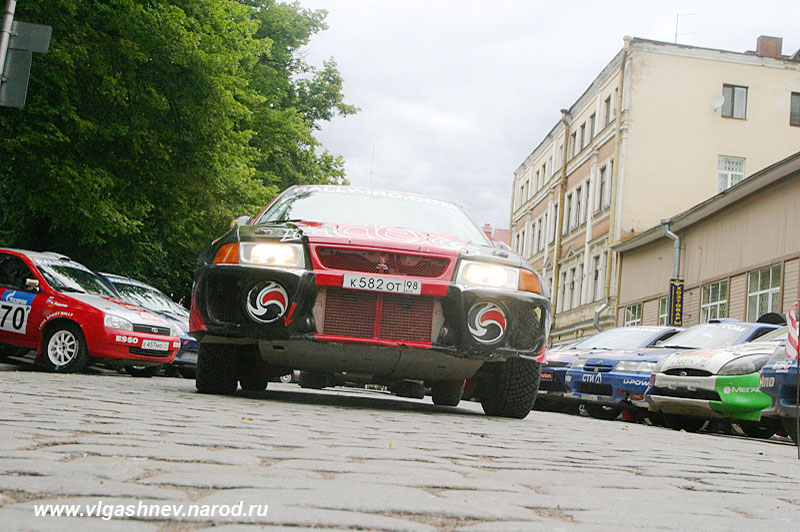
(371,166)
(677,18)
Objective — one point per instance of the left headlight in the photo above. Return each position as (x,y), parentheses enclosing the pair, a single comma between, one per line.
(115,322)
(272,254)
(578,363)
(744,365)
(635,366)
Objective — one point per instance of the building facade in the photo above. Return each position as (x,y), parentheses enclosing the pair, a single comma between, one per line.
(662,127)
(738,254)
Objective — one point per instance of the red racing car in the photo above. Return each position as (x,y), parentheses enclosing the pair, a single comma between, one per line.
(401,288)
(70,316)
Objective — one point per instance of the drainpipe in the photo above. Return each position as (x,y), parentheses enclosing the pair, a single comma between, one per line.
(600,310)
(676,253)
(560,218)
(612,216)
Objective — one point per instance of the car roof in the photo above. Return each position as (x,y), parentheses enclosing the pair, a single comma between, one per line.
(34,255)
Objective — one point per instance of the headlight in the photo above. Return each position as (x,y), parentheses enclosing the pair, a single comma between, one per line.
(175,331)
(744,365)
(577,363)
(481,274)
(115,322)
(272,254)
(635,366)
(779,353)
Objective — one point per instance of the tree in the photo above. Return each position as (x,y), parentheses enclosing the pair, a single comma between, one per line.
(151,124)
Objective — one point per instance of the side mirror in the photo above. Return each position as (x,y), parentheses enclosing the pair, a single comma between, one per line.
(32,285)
(241,220)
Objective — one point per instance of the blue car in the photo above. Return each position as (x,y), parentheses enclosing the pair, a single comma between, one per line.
(149,297)
(552,388)
(609,383)
(779,381)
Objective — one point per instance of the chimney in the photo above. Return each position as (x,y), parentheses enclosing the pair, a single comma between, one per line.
(769,47)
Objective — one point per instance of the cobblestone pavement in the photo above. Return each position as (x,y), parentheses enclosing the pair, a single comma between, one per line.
(357,459)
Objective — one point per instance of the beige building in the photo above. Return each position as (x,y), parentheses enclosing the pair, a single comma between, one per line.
(738,252)
(662,127)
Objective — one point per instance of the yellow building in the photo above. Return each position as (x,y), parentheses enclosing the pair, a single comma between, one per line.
(664,126)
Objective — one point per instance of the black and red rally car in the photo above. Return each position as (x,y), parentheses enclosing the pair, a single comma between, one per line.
(390,285)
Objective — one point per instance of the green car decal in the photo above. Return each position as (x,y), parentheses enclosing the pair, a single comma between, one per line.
(740,397)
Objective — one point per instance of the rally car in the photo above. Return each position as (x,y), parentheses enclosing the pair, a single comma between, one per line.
(553,389)
(692,387)
(779,381)
(70,317)
(154,300)
(396,286)
(617,381)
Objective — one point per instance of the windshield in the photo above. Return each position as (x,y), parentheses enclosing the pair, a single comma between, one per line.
(350,206)
(619,338)
(708,335)
(67,277)
(149,298)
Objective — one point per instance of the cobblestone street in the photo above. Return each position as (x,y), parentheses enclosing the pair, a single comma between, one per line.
(349,458)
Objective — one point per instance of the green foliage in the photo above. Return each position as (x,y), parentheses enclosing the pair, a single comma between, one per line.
(151,124)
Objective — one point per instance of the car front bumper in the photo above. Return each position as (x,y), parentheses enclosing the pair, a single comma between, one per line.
(734,397)
(781,387)
(612,388)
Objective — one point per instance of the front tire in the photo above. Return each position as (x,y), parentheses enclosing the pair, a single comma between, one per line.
(689,424)
(447,393)
(64,349)
(790,426)
(511,392)
(143,371)
(598,411)
(252,377)
(216,369)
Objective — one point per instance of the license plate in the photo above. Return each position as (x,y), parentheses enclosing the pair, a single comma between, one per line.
(155,345)
(373,283)
(547,376)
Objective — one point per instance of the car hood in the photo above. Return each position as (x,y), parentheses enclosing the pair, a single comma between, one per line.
(121,308)
(646,354)
(712,360)
(376,236)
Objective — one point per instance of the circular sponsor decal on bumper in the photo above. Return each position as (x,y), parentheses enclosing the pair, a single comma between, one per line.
(267,302)
(486,322)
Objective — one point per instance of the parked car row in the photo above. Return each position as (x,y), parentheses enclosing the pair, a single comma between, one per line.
(72,317)
(725,371)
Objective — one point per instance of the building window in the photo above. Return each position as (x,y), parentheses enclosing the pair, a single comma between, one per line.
(561,291)
(597,291)
(569,299)
(633,315)
(544,173)
(735,105)
(583,135)
(730,170)
(542,231)
(579,206)
(764,292)
(592,120)
(714,302)
(663,311)
(601,188)
(794,114)
(553,223)
(567,213)
(572,145)
(607,112)
(578,282)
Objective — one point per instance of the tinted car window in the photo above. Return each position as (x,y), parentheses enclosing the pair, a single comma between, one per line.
(14,272)
(708,335)
(148,298)
(620,338)
(374,208)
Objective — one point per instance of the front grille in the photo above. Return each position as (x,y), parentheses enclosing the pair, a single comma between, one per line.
(151,329)
(598,368)
(688,372)
(382,263)
(370,315)
(683,393)
(596,389)
(148,352)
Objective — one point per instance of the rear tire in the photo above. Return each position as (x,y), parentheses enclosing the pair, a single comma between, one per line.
(511,392)
(689,424)
(216,369)
(143,371)
(763,432)
(447,393)
(188,372)
(790,426)
(598,411)
(64,349)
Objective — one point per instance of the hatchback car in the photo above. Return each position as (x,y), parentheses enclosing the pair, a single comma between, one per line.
(394,286)
(71,318)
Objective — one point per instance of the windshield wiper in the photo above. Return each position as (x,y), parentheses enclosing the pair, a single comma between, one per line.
(673,346)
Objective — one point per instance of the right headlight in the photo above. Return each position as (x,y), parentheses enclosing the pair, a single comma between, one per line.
(744,365)
(485,275)
(115,322)
(635,366)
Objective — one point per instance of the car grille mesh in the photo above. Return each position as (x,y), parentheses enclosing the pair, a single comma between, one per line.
(685,393)
(382,263)
(151,329)
(688,372)
(353,313)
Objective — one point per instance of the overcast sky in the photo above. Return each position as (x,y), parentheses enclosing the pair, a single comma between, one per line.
(455,94)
